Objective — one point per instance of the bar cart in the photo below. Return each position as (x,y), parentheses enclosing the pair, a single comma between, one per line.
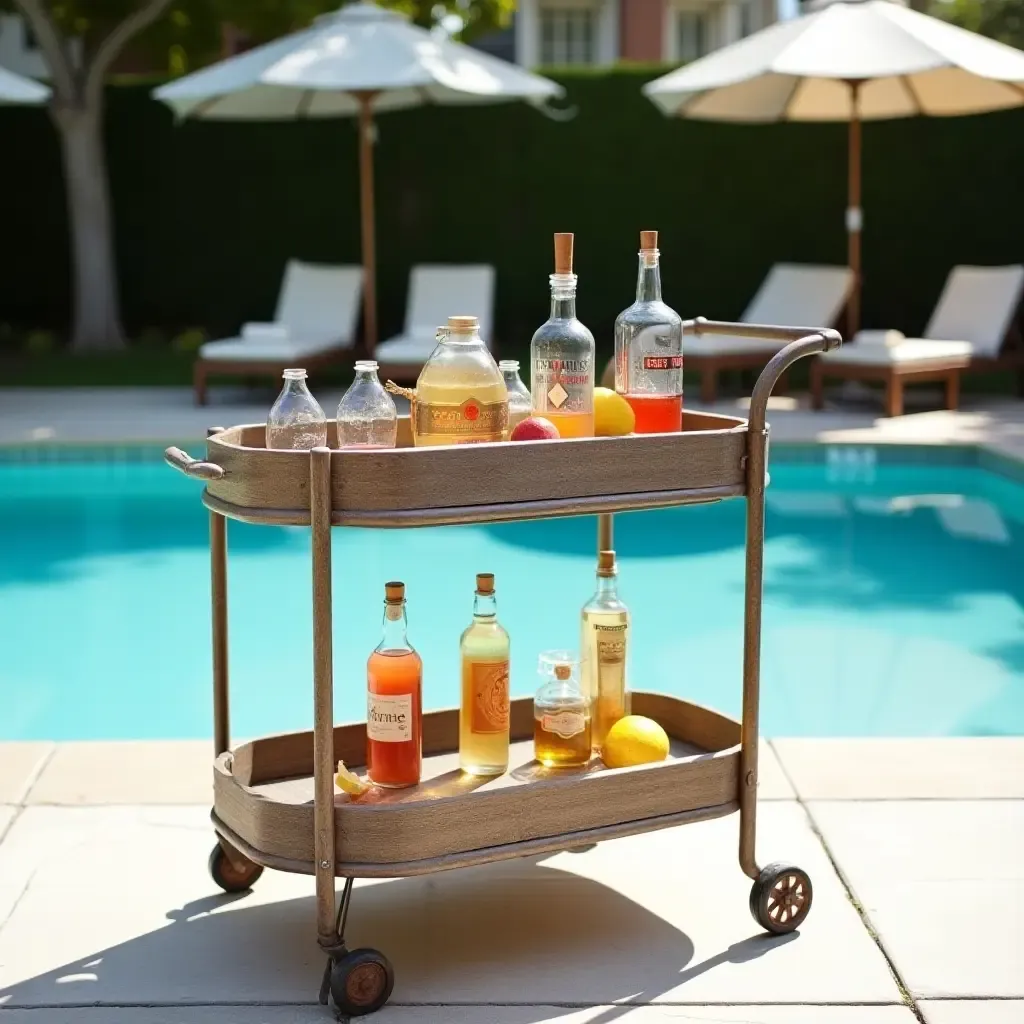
(274,798)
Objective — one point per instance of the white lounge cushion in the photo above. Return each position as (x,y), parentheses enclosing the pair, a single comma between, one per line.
(907,351)
(273,351)
(403,349)
(889,339)
(977,305)
(275,333)
(792,295)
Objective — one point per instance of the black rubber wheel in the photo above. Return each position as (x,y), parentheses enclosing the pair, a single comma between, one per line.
(227,875)
(780,898)
(361,982)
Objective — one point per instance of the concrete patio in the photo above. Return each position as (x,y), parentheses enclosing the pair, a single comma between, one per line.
(107,915)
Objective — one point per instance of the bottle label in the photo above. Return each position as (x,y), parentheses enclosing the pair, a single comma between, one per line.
(563,385)
(565,723)
(663,362)
(489,680)
(473,420)
(611,644)
(389,717)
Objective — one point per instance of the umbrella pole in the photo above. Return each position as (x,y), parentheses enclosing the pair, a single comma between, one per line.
(366,211)
(854,217)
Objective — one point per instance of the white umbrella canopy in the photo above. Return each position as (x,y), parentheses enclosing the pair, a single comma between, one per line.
(851,60)
(358,61)
(16,89)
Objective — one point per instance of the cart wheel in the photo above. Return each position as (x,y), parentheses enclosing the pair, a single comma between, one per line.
(780,898)
(227,875)
(361,982)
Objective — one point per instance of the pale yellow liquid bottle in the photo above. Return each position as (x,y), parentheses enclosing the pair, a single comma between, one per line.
(604,643)
(460,394)
(484,710)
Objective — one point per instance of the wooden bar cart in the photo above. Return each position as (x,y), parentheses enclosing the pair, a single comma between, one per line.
(274,798)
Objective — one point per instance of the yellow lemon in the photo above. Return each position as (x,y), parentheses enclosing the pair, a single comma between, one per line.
(613,415)
(349,782)
(634,740)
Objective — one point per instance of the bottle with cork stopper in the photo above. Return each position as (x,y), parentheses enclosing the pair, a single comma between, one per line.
(649,349)
(561,714)
(461,396)
(562,355)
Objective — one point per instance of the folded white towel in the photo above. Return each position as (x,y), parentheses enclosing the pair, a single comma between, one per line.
(888,339)
(265,332)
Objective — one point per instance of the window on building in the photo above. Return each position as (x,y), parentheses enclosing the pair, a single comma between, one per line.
(693,34)
(568,35)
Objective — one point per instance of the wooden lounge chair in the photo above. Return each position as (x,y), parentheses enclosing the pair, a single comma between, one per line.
(436,292)
(792,293)
(974,328)
(315,325)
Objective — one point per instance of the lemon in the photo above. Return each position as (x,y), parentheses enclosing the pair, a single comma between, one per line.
(349,782)
(613,415)
(634,740)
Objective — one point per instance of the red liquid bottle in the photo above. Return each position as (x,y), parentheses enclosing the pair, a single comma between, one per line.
(394,711)
(649,350)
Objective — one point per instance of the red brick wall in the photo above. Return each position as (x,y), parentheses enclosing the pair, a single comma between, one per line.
(641,27)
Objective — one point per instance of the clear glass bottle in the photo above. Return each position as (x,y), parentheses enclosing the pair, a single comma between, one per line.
(562,355)
(460,394)
(484,709)
(520,404)
(649,350)
(394,701)
(296,419)
(367,417)
(561,714)
(604,644)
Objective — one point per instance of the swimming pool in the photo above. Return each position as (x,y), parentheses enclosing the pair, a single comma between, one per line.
(894,599)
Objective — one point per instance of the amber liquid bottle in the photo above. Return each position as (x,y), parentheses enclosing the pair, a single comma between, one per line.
(394,705)
(484,710)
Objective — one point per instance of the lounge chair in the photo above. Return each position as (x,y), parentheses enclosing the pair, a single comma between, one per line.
(315,323)
(792,294)
(437,292)
(973,328)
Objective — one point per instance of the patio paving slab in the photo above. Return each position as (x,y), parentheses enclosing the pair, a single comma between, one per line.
(942,882)
(973,1011)
(960,768)
(473,1015)
(20,763)
(127,772)
(660,918)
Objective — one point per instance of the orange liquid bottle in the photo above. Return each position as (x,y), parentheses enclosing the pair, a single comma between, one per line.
(394,707)
(657,414)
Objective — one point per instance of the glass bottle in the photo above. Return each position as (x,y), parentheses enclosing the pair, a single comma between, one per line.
(296,419)
(604,642)
(367,417)
(484,709)
(562,355)
(649,350)
(460,394)
(520,404)
(394,703)
(561,714)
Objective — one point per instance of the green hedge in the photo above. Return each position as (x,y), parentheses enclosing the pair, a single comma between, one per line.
(207,213)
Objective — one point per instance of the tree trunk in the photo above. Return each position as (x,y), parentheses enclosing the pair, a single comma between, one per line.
(97,320)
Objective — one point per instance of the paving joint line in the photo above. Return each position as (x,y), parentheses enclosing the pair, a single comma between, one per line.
(36,775)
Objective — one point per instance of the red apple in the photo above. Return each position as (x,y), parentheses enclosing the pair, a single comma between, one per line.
(534,428)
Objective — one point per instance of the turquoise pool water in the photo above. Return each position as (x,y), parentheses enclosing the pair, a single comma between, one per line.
(894,601)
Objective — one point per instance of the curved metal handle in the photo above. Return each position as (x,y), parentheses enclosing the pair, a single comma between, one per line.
(803,341)
(184,463)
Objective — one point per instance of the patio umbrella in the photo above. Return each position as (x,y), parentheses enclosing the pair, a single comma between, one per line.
(849,60)
(355,62)
(18,89)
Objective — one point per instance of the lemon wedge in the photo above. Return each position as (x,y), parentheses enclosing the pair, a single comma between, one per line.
(349,782)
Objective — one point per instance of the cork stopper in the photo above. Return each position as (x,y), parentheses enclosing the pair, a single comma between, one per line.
(485,582)
(563,252)
(563,671)
(606,563)
(463,324)
(394,592)
(648,239)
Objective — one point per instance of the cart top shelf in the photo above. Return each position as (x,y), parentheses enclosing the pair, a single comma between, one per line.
(474,483)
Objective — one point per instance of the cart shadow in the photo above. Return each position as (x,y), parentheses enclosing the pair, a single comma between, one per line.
(520,932)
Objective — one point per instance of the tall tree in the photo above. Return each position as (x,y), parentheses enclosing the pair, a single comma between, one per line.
(999,19)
